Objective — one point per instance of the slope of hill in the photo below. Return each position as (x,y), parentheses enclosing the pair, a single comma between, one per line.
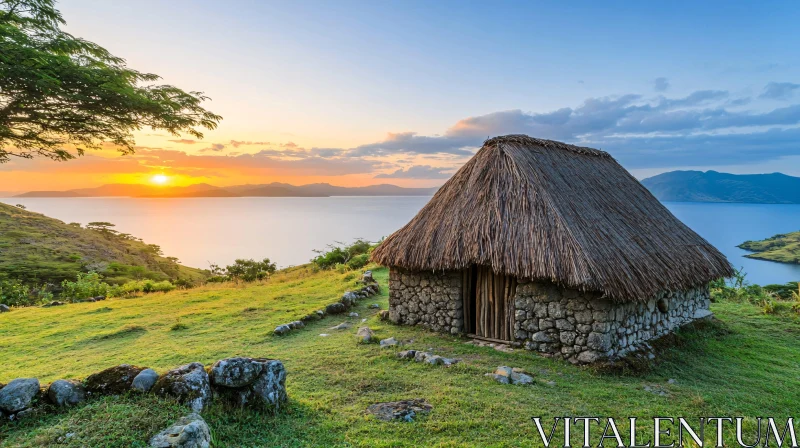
(332,380)
(784,248)
(711,186)
(38,249)
(274,189)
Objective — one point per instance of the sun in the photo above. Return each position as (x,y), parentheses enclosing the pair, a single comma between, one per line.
(159,179)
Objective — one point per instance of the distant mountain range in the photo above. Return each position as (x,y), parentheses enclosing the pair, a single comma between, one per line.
(274,189)
(711,186)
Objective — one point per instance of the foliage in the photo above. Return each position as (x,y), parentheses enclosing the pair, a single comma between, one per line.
(141,286)
(85,286)
(243,270)
(21,206)
(784,248)
(772,299)
(341,253)
(59,91)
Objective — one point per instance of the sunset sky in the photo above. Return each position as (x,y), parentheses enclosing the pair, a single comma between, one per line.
(358,93)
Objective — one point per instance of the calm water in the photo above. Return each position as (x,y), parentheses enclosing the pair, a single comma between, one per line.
(200,231)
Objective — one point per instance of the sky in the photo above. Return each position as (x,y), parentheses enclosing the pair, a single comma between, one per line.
(404,92)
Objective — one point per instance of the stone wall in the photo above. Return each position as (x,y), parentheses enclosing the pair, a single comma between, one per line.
(581,327)
(430,299)
(566,323)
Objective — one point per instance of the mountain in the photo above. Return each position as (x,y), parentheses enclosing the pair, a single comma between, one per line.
(274,189)
(711,186)
(784,248)
(37,249)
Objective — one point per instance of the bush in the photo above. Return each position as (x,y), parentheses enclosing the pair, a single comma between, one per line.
(85,286)
(244,270)
(358,262)
(141,286)
(15,293)
(344,254)
(771,299)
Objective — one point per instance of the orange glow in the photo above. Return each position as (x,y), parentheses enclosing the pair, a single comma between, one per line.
(159,179)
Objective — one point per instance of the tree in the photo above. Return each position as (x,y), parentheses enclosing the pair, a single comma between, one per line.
(101,226)
(61,95)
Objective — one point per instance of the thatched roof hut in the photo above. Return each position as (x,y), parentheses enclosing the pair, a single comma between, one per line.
(546,210)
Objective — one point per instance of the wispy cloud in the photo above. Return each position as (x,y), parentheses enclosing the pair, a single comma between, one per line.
(661,84)
(779,90)
(416,172)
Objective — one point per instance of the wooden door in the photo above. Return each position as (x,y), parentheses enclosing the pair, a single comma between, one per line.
(489,303)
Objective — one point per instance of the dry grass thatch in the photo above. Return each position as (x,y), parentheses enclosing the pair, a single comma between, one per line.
(541,209)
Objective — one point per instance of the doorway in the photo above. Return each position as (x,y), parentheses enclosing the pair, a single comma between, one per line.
(488,304)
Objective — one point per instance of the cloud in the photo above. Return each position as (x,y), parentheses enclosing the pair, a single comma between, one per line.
(238,143)
(184,141)
(661,84)
(779,90)
(215,147)
(416,172)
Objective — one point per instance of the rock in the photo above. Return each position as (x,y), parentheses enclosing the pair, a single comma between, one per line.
(499,378)
(324,335)
(520,378)
(367,277)
(374,306)
(145,380)
(18,395)
(421,356)
(298,324)
(404,410)
(335,308)
(589,357)
(365,334)
(188,383)
(269,389)
(353,315)
(383,315)
(671,381)
(703,314)
(64,393)
(503,371)
(188,432)
(435,360)
(349,299)
(390,342)
(281,330)
(342,326)
(407,354)
(320,314)
(4,308)
(53,303)
(235,372)
(112,381)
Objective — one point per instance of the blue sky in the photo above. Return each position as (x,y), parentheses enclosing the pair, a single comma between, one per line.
(412,88)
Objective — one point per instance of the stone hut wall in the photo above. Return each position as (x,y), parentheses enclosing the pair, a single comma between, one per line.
(566,323)
(430,299)
(582,327)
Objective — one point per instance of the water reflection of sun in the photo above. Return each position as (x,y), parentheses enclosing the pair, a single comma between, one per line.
(159,179)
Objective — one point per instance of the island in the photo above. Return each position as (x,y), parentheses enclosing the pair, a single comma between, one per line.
(783,248)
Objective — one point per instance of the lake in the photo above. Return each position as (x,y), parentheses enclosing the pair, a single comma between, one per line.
(200,231)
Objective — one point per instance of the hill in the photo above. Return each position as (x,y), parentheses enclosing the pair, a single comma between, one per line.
(274,189)
(37,249)
(784,248)
(711,186)
(744,364)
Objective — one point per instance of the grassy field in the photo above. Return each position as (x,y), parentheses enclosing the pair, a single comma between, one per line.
(784,248)
(37,249)
(747,364)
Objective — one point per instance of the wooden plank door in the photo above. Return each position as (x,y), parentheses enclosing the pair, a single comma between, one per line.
(494,304)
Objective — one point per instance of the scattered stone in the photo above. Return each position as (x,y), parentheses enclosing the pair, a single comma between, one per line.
(320,313)
(383,314)
(365,335)
(503,371)
(363,320)
(18,395)
(367,277)
(499,378)
(190,431)
(112,381)
(390,342)
(342,326)
(324,335)
(250,380)
(188,383)
(657,390)
(234,372)
(671,381)
(145,380)
(281,330)
(335,308)
(353,315)
(374,306)
(421,356)
(520,378)
(53,303)
(296,325)
(507,375)
(4,308)
(349,299)
(407,354)
(405,410)
(64,393)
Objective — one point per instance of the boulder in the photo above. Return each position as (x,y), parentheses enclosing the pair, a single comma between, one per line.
(298,324)
(367,277)
(112,381)
(320,314)
(145,380)
(335,308)
(4,308)
(342,326)
(245,381)
(404,410)
(364,335)
(188,384)
(421,356)
(390,342)
(407,354)
(190,431)
(64,393)
(499,378)
(520,378)
(281,330)
(18,395)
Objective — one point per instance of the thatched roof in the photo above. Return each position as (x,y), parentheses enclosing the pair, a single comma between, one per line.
(541,209)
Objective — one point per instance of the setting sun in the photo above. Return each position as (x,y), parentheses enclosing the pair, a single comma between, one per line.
(159,179)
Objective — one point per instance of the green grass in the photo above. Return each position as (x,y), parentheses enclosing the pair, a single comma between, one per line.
(37,249)
(784,248)
(746,365)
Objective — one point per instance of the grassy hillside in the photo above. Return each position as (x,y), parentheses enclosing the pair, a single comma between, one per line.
(746,365)
(784,248)
(38,249)
(711,186)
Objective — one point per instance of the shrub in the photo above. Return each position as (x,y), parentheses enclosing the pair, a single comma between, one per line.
(358,262)
(86,285)
(343,254)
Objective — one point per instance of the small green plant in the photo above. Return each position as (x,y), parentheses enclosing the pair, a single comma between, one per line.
(355,254)
(178,325)
(243,270)
(85,286)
